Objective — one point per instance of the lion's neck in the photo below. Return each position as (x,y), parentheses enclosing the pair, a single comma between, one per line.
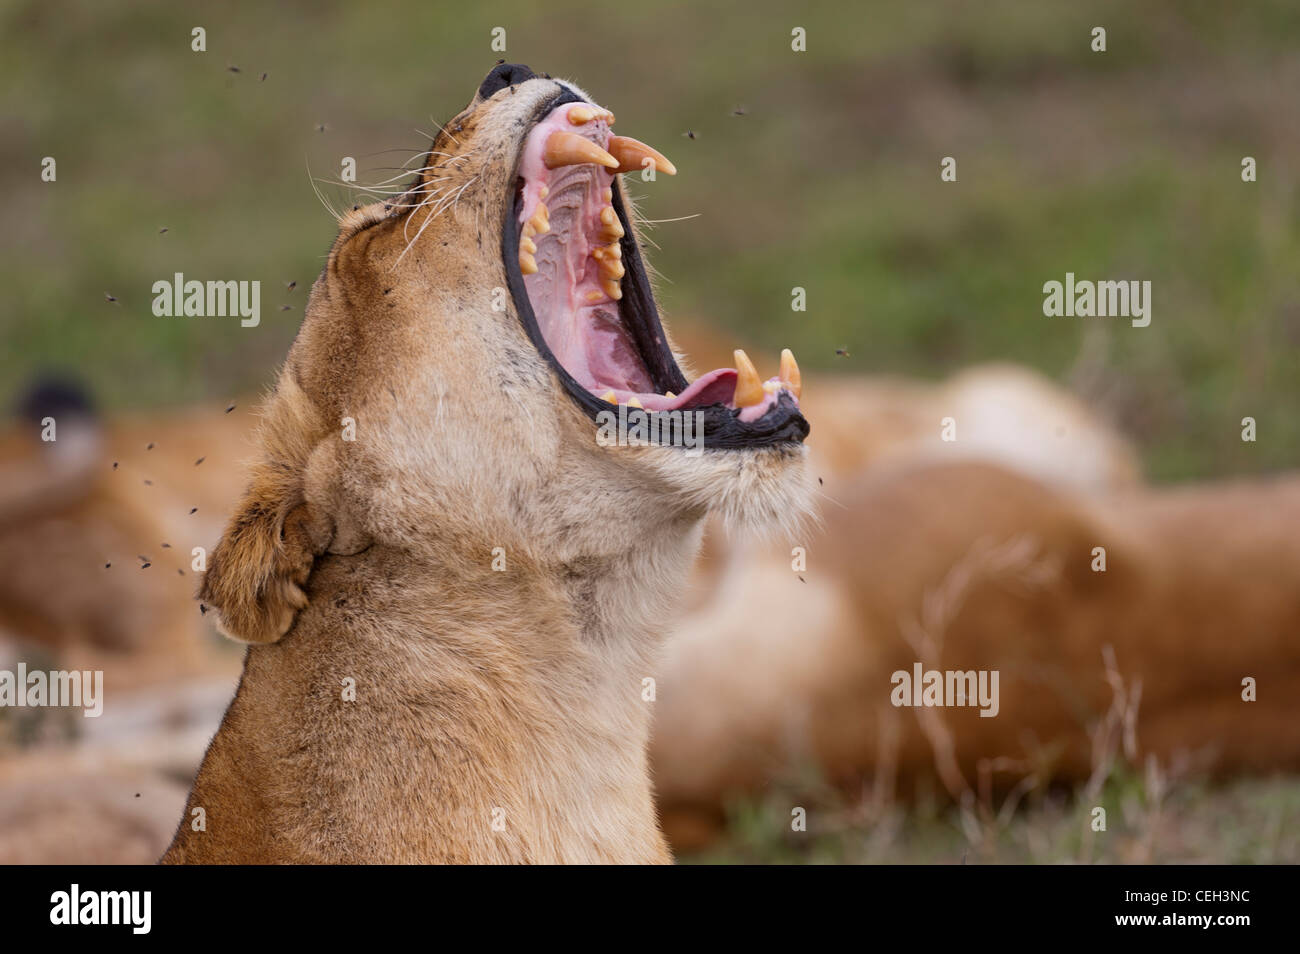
(498,714)
(559,666)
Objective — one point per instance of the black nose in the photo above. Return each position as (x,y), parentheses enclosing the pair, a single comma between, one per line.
(503,75)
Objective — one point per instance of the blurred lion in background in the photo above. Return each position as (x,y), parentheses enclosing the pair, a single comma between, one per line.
(1125,621)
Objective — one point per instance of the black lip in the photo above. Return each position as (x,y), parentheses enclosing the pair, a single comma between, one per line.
(782,424)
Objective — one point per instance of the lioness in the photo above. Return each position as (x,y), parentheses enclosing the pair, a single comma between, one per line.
(967,566)
(453,591)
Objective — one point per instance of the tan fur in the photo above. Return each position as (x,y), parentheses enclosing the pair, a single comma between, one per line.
(1199,592)
(481,695)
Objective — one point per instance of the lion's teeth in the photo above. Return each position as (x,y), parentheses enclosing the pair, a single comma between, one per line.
(527,264)
(632,154)
(580,115)
(608,195)
(749,387)
(570,149)
(633,401)
(541,220)
(611,289)
(790,373)
(528,245)
(670,395)
(602,252)
(610,397)
(612,228)
(611,268)
(594,296)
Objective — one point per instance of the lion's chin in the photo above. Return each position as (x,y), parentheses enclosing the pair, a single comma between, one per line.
(766,492)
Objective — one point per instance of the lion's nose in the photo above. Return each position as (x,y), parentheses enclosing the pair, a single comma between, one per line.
(503,75)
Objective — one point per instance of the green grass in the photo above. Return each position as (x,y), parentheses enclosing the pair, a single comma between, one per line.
(1247,821)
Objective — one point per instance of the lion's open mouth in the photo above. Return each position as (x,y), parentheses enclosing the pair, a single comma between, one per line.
(583,293)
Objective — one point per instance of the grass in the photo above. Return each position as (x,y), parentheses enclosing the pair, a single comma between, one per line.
(1246,821)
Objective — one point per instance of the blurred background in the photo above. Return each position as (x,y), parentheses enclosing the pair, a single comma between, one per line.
(817,169)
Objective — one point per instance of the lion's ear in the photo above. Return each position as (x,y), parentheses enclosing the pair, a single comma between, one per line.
(257,573)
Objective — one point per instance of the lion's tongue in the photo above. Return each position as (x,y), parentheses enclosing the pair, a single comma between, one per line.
(716,387)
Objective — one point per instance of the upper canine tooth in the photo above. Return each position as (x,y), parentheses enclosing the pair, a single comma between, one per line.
(749,387)
(790,373)
(579,115)
(631,155)
(570,149)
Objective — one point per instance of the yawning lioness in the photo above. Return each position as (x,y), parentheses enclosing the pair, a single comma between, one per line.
(454,593)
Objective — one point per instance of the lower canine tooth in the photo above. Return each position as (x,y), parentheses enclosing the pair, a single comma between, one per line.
(749,387)
(790,373)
